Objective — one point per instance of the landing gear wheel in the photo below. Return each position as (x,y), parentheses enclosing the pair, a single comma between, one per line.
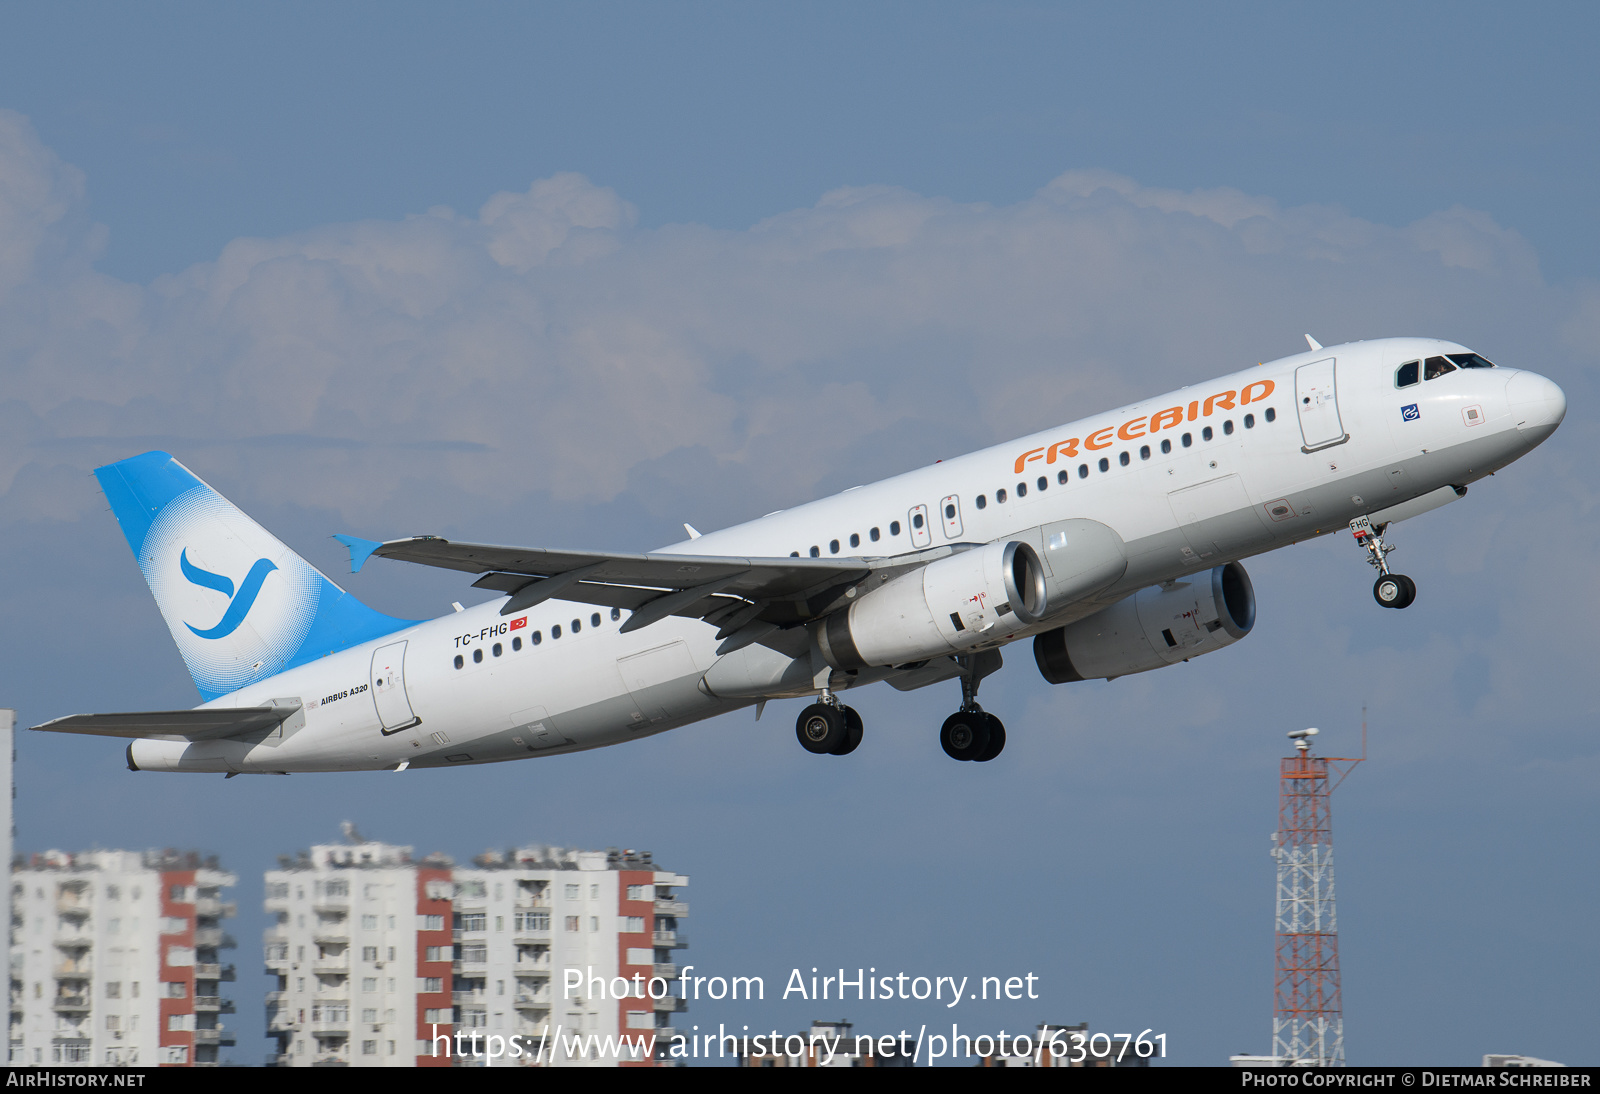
(1394,591)
(997,739)
(965,735)
(821,728)
(852,732)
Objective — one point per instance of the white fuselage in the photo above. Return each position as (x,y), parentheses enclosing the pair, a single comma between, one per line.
(1253,486)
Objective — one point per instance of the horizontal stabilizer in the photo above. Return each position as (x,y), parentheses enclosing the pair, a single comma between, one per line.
(205,724)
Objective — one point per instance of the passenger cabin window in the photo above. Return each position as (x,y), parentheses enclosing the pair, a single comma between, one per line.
(536,637)
(1042,483)
(1227,427)
(1205,434)
(1000,496)
(1105,464)
(1144,452)
(916,521)
(1083,471)
(1406,374)
(555,631)
(577,625)
(1435,367)
(1272,414)
(873,535)
(894,528)
(983,501)
(833,545)
(516,643)
(1249,421)
(1123,459)
(477,657)
(1022,489)
(616,613)
(459,661)
(816,552)
(855,539)
(594,620)
(1188,439)
(1062,476)
(1166,446)
(498,650)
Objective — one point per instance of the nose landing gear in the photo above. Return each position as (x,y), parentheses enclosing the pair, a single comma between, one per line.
(1390,590)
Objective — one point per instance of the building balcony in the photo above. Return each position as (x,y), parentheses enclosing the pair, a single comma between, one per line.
(209,971)
(81,969)
(671,907)
(525,937)
(331,936)
(331,964)
(70,1002)
(531,1002)
(73,941)
(214,1037)
(666,972)
(670,939)
(669,1004)
(219,909)
(283,1022)
(325,1027)
(72,906)
(213,1003)
(215,937)
(531,902)
(330,1061)
(469,997)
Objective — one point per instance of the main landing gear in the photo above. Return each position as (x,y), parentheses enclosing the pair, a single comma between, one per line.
(1390,590)
(972,733)
(828,727)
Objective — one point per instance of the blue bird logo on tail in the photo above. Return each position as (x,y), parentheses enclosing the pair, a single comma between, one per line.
(239,606)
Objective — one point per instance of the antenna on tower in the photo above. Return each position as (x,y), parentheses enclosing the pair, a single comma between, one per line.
(1308,1014)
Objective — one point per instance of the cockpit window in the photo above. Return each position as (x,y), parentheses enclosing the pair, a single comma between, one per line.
(1469,360)
(1435,367)
(1406,374)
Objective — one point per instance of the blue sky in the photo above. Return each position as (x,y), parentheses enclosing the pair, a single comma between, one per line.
(570,276)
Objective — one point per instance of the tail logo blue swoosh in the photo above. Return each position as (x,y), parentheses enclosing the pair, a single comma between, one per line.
(239,606)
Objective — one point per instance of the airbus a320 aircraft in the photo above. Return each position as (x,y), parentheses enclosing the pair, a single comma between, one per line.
(1112,542)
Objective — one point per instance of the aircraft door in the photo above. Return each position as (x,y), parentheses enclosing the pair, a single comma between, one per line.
(389,688)
(921,534)
(1316,399)
(950,510)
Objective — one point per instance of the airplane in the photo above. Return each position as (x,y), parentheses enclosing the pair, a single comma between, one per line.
(1113,543)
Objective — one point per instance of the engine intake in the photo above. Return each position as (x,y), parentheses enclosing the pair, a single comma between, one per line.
(946,607)
(1157,626)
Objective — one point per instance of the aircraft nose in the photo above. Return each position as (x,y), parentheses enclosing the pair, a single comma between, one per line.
(1537,404)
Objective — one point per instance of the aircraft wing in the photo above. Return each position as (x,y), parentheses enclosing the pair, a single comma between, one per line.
(735,592)
(205,724)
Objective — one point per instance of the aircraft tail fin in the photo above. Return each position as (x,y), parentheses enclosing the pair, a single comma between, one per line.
(240,604)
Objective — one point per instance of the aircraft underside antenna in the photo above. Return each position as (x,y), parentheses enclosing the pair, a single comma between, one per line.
(1308,1015)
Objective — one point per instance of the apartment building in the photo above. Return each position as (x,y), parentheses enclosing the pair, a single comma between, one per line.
(385,960)
(115,959)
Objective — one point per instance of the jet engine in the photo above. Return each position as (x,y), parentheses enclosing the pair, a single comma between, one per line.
(945,607)
(1157,626)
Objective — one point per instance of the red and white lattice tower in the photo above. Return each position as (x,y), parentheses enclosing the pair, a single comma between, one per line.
(1308,1019)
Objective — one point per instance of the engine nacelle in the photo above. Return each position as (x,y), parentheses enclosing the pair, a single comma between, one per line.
(1157,626)
(946,607)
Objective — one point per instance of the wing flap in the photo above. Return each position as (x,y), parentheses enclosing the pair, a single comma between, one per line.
(205,724)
